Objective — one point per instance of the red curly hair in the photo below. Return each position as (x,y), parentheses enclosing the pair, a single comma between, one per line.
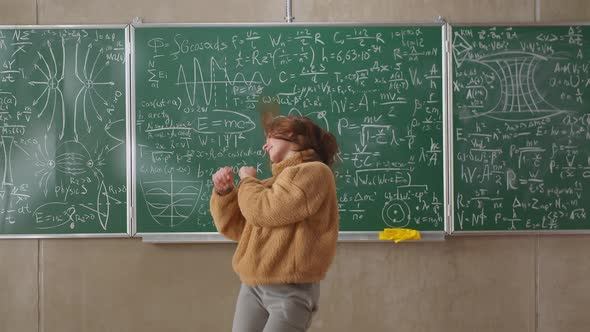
(306,134)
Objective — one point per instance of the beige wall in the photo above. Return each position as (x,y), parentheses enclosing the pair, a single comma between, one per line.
(503,283)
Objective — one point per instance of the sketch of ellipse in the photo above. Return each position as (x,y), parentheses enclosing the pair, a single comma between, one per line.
(103,205)
(51,215)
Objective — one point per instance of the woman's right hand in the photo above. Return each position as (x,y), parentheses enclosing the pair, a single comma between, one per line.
(223,180)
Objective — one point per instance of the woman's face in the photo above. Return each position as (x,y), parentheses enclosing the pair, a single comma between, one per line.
(278,149)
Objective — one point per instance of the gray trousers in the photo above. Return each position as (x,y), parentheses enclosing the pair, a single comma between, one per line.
(276,308)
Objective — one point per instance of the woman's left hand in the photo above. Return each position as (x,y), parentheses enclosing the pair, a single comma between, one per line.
(246,171)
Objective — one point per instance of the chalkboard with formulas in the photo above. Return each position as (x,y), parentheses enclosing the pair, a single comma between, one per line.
(63,131)
(201,91)
(521,128)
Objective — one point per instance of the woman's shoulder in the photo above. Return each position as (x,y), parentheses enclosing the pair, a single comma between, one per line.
(309,176)
(315,167)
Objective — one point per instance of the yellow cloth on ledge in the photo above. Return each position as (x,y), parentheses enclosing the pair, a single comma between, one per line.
(399,234)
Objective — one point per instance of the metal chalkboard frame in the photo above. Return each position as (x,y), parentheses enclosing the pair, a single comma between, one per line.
(344,236)
(128,144)
(451,203)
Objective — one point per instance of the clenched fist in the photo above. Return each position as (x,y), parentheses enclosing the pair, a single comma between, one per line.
(223,180)
(247,171)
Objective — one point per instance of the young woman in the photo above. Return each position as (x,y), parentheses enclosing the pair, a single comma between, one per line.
(286,226)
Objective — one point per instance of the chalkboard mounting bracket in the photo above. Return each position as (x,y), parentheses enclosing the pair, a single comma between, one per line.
(289,11)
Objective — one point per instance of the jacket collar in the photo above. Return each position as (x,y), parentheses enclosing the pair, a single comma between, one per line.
(298,158)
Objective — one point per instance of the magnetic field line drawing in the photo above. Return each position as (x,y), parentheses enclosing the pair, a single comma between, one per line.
(88,98)
(71,158)
(520,98)
(53,86)
(89,85)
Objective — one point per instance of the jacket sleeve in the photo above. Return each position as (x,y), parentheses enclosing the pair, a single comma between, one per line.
(227,217)
(297,193)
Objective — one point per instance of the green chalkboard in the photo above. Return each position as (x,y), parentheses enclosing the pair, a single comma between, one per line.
(63,131)
(200,91)
(521,128)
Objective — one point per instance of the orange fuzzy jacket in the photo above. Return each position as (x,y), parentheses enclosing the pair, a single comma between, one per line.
(286,226)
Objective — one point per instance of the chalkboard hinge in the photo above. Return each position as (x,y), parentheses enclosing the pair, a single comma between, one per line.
(448,45)
(129,49)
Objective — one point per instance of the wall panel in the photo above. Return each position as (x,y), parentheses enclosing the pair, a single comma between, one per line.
(18,285)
